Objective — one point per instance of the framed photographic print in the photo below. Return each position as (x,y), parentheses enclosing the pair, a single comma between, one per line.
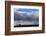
(24,17)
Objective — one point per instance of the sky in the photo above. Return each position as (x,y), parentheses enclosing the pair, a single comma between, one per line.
(26,10)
